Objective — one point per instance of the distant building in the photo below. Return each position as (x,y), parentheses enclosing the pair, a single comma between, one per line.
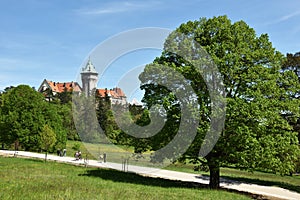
(89,78)
(116,95)
(57,87)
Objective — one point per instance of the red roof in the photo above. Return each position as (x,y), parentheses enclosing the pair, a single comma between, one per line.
(101,92)
(114,93)
(61,87)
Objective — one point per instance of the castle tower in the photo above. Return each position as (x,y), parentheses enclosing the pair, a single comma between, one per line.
(89,78)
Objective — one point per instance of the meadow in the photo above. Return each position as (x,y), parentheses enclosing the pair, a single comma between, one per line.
(256,177)
(35,179)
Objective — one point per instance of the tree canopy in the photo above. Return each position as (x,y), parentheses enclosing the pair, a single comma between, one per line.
(24,114)
(255,135)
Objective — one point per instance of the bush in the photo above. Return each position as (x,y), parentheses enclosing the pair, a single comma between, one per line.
(76,146)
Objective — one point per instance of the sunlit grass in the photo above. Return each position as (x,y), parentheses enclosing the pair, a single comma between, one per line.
(269,179)
(115,153)
(35,179)
(256,177)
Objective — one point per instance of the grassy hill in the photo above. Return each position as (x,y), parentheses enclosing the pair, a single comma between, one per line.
(260,178)
(35,179)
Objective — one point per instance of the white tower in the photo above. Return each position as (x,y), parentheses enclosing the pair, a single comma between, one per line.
(89,78)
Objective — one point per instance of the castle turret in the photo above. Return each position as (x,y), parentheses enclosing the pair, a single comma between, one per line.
(89,78)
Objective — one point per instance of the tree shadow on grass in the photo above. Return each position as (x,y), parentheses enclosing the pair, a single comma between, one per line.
(265,183)
(129,177)
(133,178)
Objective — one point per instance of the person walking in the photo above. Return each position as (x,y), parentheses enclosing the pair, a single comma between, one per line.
(104,157)
(64,152)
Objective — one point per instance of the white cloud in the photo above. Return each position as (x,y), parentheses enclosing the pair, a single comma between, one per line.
(287,17)
(284,18)
(118,7)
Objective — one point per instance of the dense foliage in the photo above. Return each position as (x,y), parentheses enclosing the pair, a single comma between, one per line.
(258,93)
(24,113)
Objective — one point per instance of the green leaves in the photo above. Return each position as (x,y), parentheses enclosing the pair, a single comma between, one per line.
(258,93)
(24,113)
(47,137)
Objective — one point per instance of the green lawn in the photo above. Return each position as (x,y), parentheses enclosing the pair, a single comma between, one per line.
(268,179)
(114,153)
(35,179)
(261,178)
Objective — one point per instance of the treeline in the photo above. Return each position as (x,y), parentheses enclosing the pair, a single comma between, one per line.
(98,121)
(27,115)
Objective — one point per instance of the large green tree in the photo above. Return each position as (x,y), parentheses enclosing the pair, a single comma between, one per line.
(255,135)
(24,113)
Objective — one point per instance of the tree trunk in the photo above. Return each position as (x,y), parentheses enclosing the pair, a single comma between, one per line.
(214,176)
(46,156)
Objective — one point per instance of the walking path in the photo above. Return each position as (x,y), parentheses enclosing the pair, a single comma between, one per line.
(270,191)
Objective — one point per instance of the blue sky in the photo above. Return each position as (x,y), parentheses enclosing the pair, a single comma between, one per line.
(51,39)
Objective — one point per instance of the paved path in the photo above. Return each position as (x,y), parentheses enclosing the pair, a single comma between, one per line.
(269,191)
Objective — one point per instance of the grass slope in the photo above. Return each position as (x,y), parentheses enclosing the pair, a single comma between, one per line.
(256,177)
(35,179)
(261,178)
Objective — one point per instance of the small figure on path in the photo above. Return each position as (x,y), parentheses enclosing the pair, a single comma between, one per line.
(59,153)
(104,157)
(76,155)
(64,152)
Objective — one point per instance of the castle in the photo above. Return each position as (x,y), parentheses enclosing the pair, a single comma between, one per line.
(89,78)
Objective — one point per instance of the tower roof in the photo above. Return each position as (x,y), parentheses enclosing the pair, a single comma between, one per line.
(89,68)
